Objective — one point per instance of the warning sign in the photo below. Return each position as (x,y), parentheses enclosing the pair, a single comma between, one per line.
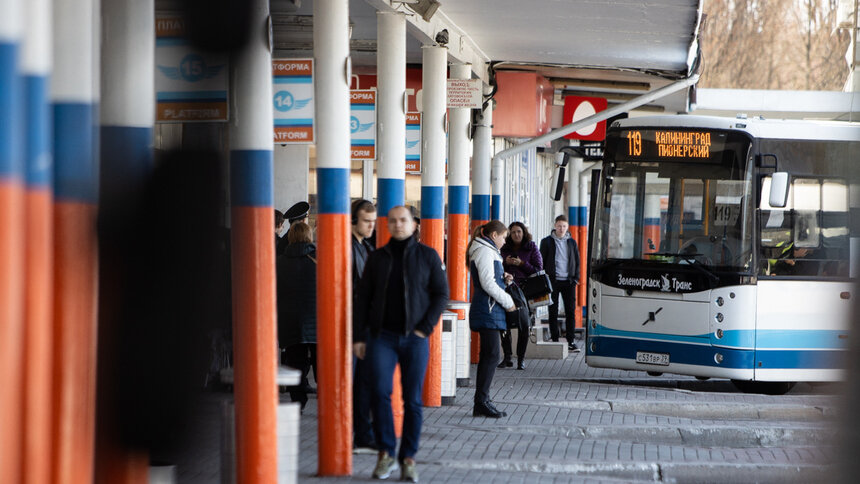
(464,93)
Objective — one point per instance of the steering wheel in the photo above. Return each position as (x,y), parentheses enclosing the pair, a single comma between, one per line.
(702,241)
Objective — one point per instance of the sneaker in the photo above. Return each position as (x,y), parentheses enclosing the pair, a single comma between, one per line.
(385,466)
(364,450)
(572,348)
(408,471)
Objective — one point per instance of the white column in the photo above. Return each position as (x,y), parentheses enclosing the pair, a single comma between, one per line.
(391,96)
(434,85)
(334,299)
(482,153)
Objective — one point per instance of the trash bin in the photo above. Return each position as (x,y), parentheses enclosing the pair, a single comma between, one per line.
(449,357)
(463,341)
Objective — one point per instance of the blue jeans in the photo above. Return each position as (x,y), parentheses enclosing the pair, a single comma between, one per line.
(383,354)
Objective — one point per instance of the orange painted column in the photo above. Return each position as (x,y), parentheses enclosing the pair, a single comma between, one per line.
(334,267)
(11,243)
(458,240)
(254,327)
(38,289)
(334,331)
(433,234)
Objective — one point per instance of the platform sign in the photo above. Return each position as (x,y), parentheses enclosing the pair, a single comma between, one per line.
(190,84)
(293,100)
(580,107)
(413,143)
(362,124)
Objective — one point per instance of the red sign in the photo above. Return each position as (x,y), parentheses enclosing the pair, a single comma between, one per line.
(579,107)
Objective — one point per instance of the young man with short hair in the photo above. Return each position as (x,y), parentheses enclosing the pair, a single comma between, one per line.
(561,262)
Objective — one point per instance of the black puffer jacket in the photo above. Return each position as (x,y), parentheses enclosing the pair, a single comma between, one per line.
(297,295)
(426,290)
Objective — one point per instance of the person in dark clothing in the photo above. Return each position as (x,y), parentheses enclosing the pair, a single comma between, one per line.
(298,212)
(401,296)
(297,308)
(363,223)
(561,262)
(521,259)
(280,244)
(487,312)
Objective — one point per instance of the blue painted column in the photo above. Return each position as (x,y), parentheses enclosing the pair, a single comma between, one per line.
(434,85)
(391,90)
(253,254)
(11,240)
(334,269)
(482,155)
(38,232)
(74,92)
(127,115)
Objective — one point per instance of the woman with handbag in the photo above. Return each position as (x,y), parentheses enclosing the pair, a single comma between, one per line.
(521,258)
(297,313)
(489,304)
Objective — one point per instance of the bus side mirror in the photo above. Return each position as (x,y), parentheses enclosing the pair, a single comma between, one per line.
(779,183)
(558,177)
(558,183)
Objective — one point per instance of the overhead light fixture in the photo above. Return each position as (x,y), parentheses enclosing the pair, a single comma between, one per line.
(425,8)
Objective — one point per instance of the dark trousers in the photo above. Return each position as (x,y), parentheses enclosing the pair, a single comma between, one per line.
(488,358)
(361,409)
(302,357)
(522,342)
(383,354)
(567,291)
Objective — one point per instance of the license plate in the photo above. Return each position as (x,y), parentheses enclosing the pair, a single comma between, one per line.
(652,358)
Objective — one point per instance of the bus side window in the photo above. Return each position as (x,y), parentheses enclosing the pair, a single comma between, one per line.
(809,237)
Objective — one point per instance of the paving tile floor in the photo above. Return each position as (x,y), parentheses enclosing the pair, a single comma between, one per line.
(569,422)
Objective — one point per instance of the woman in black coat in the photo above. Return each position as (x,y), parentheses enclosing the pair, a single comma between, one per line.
(297,306)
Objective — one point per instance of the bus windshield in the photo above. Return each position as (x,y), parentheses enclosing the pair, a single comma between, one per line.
(676,197)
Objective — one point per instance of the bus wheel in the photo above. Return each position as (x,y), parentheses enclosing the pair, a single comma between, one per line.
(703,378)
(655,373)
(764,387)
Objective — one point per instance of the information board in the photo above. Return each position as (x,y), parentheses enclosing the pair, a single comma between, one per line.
(413,143)
(362,124)
(190,84)
(293,100)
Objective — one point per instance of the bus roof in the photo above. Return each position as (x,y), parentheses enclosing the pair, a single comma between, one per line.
(756,127)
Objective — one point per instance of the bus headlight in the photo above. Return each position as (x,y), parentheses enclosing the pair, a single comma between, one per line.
(593,346)
(719,334)
(719,317)
(720,301)
(718,358)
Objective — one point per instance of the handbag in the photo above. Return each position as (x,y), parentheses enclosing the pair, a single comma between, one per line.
(520,318)
(537,289)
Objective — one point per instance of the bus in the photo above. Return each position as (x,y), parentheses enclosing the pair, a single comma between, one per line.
(725,248)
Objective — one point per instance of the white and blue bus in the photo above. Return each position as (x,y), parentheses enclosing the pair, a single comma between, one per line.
(725,248)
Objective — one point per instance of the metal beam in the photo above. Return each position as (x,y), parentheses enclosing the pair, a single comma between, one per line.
(598,117)
(461,48)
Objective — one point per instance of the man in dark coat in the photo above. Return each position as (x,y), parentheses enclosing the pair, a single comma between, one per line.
(401,296)
(561,262)
(363,223)
(297,314)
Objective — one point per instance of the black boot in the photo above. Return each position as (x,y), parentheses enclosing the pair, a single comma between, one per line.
(484,410)
(521,365)
(492,407)
(506,363)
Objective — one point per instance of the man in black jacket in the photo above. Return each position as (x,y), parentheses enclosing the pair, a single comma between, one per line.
(363,223)
(401,296)
(561,262)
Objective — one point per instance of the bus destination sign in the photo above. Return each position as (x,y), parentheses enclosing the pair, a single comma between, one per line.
(669,145)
